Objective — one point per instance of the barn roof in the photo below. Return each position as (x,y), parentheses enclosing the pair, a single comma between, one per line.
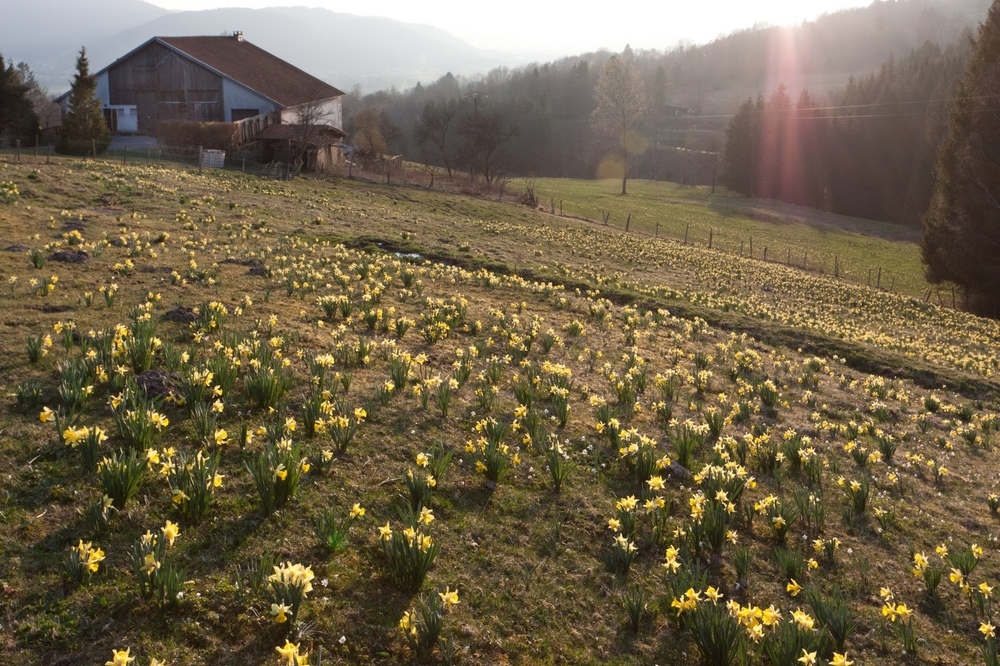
(253,67)
(248,65)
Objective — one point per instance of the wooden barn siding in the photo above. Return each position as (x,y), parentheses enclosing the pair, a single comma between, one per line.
(166,86)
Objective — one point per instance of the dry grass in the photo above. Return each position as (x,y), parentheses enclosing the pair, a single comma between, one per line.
(527,561)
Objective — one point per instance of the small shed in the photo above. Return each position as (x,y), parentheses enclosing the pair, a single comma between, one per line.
(316,147)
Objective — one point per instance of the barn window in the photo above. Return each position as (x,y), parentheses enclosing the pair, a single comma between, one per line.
(242,114)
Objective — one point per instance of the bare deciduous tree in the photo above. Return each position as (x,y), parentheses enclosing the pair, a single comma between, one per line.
(621,105)
(486,133)
(436,134)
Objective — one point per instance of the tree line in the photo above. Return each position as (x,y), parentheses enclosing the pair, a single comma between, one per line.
(869,151)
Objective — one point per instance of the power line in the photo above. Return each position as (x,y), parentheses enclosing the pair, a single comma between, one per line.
(795,114)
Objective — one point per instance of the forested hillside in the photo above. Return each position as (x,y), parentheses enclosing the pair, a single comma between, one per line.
(853,95)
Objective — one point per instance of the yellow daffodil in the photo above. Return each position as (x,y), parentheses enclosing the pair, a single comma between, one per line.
(150,564)
(120,658)
(279,611)
(840,660)
(449,597)
(170,532)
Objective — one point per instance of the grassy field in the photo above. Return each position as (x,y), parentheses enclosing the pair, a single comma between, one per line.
(821,242)
(246,418)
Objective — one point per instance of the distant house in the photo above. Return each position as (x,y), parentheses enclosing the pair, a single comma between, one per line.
(211,79)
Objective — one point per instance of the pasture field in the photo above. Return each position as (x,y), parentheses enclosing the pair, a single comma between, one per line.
(246,420)
(822,242)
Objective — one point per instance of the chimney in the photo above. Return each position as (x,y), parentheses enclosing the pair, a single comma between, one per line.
(238,35)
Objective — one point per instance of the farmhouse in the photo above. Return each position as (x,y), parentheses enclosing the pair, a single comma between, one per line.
(215,79)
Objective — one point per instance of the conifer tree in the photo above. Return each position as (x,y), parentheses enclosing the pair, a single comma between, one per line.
(739,161)
(17,115)
(83,124)
(962,226)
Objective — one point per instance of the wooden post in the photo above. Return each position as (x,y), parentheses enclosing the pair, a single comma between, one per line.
(200,158)
(17,152)
(878,284)
(927,296)
(751,247)
(552,205)
(836,266)
(788,260)
(953,297)
(805,260)
(892,285)
(48,153)
(741,248)
(560,208)
(657,229)
(765,253)
(243,169)
(125,156)
(687,227)
(628,221)
(93,147)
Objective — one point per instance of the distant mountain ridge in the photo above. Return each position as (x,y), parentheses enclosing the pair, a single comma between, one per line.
(342,49)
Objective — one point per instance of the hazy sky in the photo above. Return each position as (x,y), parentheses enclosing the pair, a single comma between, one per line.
(564,28)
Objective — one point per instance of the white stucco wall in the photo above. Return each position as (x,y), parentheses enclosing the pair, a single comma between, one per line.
(330,113)
(235,96)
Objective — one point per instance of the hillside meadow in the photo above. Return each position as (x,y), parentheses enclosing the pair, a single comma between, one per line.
(328,421)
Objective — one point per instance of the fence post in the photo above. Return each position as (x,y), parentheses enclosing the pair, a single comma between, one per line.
(93,147)
(657,229)
(200,158)
(243,169)
(125,156)
(741,248)
(48,153)
(687,227)
(751,247)
(805,260)
(36,147)
(628,221)
(17,152)
(711,237)
(878,285)
(836,266)
(765,253)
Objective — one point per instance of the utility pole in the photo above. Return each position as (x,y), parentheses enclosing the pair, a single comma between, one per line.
(475,95)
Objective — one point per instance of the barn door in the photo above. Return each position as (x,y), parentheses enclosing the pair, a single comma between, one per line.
(111,119)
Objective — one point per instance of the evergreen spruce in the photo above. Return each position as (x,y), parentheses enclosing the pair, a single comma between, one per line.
(962,226)
(17,115)
(83,124)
